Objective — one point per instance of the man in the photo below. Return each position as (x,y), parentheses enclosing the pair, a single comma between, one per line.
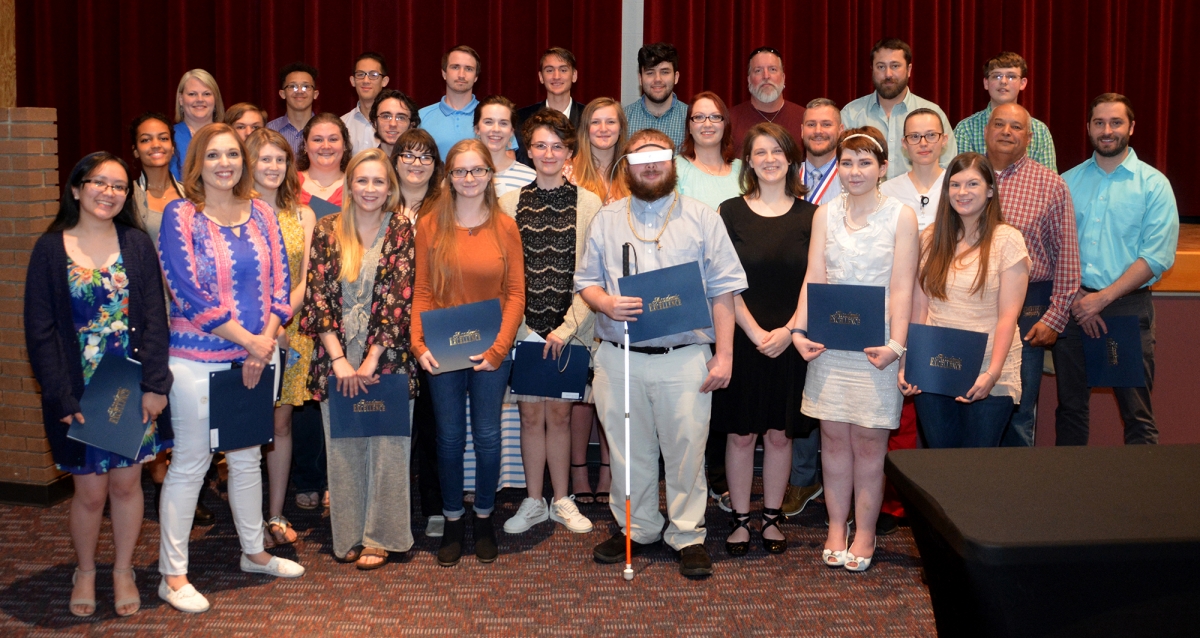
(556,72)
(452,118)
(369,78)
(298,89)
(766,80)
(1035,200)
(1004,77)
(672,377)
(886,108)
(658,108)
(819,132)
(392,114)
(1128,226)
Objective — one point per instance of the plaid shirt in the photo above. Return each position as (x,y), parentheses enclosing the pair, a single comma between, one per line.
(1036,200)
(673,122)
(969,134)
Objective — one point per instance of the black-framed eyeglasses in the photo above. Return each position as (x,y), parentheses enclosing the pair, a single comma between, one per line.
(102,186)
(362,75)
(931,137)
(699,118)
(479,172)
(413,158)
(388,117)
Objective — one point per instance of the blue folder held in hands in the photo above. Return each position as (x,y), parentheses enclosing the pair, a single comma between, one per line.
(322,208)
(1114,359)
(564,378)
(1037,302)
(457,333)
(845,317)
(382,411)
(943,360)
(112,408)
(240,417)
(673,301)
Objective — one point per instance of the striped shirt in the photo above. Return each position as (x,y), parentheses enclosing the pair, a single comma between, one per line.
(673,122)
(513,178)
(293,135)
(970,136)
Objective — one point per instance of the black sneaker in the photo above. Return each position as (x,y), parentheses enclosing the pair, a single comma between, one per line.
(485,540)
(886,524)
(694,561)
(451,548)
(613,550)
(204,516)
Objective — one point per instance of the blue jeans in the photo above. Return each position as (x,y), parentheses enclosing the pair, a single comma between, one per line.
(806,459)
(946,423)
(1023,424)
(449,392)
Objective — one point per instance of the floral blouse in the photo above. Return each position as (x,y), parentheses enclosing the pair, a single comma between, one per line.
(391,305)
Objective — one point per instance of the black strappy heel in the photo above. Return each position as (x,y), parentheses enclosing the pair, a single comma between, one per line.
(739,520)
(603,495)
(772,546)
(583,498)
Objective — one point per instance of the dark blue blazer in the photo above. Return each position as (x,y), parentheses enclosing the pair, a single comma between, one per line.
(53,343)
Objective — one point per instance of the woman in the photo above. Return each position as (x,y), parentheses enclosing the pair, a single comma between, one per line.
(707,164)
(866,239)
(322,163)
(494,127)
(276,182)
(604,143)
(245,118)
(468,250)
(94,289)
(770,227)
(974,271)
(553,218)
(358,305)
(197,103)
(224,261)
(921,187)
(392,114)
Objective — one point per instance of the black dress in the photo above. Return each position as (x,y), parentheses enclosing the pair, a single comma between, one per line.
(764,393)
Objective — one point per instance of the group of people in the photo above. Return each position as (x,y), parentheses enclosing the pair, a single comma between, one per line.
(313,243)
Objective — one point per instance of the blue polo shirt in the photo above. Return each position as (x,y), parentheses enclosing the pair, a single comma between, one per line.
(449,126)
(183,139)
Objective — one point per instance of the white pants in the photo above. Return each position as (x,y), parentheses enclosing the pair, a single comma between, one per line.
(189,463)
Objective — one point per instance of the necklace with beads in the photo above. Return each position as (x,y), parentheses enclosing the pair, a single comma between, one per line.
(629,218)
(846,206)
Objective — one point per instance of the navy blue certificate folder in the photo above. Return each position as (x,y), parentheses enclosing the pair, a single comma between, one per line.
(843,317)
(382,411)
(943,360)
(1037,302)
(457,333)
(1114,360)
(564,378)
(323,208)
(112,408)
(240,417)
(673,301)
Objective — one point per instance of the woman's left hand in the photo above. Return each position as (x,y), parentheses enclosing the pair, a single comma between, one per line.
(982,388)
(152,405)
(252,369)
(366,371)
(554,346)
(775,342)
(881,356)
(484,365)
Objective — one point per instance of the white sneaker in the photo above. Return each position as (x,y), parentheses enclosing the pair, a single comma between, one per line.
(564,511)
(531,512)
(185,599)
(279,567)
(435,526)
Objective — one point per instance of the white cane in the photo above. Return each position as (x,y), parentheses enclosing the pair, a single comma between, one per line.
(628,518)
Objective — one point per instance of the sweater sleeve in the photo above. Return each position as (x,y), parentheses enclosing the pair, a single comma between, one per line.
(512,294)
(156,335)
(422,293)
(579,320)
(42,340)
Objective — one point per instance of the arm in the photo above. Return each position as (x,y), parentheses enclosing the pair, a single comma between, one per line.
(308,221)
(720,366)
(1013,281)
(920,315)
(422,297)
(42,340)
(579,319)
(814,275)
(514,299)
(904,275)
(391,305)
(1063,243)
(349,383)
(156,336)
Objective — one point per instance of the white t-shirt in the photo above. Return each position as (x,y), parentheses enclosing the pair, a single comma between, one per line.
(925,206)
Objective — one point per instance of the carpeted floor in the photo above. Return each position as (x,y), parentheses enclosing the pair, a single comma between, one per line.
(545,583)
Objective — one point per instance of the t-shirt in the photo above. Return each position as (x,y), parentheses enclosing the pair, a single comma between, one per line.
(744,116)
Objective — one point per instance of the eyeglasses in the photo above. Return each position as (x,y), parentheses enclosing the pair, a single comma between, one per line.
(915,138)
(362,75)
(479,172)
(542,147)
(101,186)
(299,88)
(412,158)
(997,77)
(388,117)
(715,118)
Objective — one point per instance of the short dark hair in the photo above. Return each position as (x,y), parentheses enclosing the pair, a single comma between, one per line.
(371,55)
(1006,60)
(417,139)
(495,99)
(462,48)
(566,55)
(414,120)
(1106,98)
(302,161)
(554,120)
(296,67)
(655,54)
(68,207)
(892,44)
(141,119)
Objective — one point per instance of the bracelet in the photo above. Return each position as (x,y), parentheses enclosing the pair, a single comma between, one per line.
(989,373)
(343,356)
(896,347)
(800,331)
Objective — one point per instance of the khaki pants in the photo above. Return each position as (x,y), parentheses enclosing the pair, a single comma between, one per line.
(667,413)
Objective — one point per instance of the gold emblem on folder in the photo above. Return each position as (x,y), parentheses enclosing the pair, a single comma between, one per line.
(1033,311)
(1110,346)
(845,318)
(948,363)
(370,406)
(459,338)
(662,303)
(118,406)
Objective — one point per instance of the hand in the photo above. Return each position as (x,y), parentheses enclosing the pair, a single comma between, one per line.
(1094,327)
(983,386)
(553,345)
(260,346)
(282,340)
(1087,305)
(366,371)
(484,364)
(720,368)
(78,416)
(808,349)
(906,388)
(252,368)
(622,308)
(1041,336)
(881,356)
(773,343)
(348,381)
(152,405)
(428,363)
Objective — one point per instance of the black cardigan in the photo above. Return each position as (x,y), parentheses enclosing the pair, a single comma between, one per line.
(53,342)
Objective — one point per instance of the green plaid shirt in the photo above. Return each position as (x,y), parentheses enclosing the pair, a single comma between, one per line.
(673,122)
(969,134)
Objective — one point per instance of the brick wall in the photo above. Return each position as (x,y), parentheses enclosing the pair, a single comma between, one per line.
(29,195)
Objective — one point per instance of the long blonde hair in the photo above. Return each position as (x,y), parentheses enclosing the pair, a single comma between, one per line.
(585,166)
(445,276)
(351,247)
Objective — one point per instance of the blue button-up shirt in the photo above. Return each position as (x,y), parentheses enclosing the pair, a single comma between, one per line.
(293,135)
(1122,216)
(865,111)
(183,139)
(673,122)
(694,233)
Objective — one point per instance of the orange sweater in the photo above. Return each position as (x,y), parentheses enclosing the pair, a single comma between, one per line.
(482,268)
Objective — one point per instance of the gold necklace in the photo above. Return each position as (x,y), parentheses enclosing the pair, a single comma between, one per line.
(698,164)
(629,218)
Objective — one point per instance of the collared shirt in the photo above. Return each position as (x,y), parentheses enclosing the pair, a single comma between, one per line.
(293,135)
(673,122)
(694,233)
(1122,216)
(1035,200)
(970,137)
(362,134)
(183,139)
(814,175)
(865,111)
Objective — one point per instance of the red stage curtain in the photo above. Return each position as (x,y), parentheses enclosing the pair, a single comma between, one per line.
(1076,50)
(102,62)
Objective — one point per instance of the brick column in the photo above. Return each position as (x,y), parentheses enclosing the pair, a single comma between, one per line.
(29,195)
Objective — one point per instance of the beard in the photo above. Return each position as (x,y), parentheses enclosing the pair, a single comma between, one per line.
(888,92)
(811,147)
(1122,143)
(652,192)
(766,93)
